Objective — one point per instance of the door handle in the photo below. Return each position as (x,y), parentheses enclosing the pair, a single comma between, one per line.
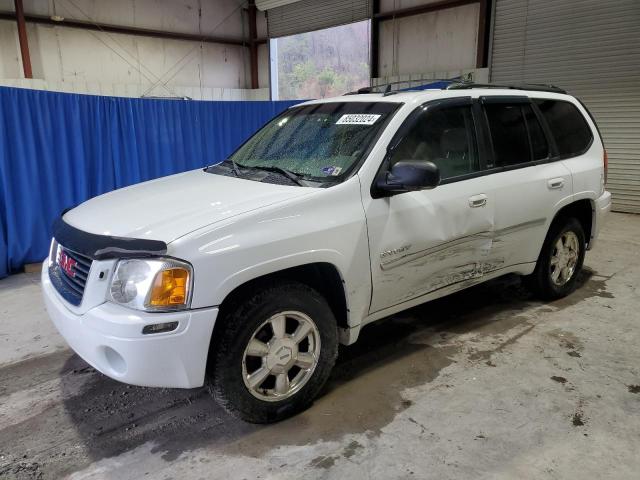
(555,183)
(478,200)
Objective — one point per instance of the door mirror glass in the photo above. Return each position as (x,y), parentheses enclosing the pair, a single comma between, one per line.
(410,175)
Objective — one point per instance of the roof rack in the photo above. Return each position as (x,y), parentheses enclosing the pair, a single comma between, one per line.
(385,88)
(535,87)
(456,84)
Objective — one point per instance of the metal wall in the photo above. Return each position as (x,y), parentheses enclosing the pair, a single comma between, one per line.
(309,15)
(592,49)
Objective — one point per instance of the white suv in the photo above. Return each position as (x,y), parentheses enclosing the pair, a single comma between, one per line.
(247,274)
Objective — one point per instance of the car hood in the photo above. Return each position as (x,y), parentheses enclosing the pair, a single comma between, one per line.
(171,207)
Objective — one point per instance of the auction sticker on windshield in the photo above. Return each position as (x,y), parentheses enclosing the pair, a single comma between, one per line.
(358,119)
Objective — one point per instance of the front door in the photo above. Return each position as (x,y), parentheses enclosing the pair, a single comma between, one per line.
(426,240)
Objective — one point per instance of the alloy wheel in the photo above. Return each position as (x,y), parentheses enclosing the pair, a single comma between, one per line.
(281,356)
(564,258)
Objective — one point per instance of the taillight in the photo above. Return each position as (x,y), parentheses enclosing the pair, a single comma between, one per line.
(605,161)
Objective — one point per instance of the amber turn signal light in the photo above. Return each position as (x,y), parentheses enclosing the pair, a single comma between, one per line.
(170,288)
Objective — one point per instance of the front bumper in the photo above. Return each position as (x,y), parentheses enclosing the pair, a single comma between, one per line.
(109,337)
(601,210)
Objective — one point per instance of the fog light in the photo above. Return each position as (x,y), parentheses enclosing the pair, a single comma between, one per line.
(115,361)
(159,327)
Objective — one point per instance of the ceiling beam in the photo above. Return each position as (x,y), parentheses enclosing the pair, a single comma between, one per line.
(144,32)
(429,7)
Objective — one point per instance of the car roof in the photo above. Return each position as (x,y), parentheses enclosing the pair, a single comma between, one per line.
(421,96)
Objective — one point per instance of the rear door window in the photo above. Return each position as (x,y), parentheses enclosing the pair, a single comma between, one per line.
(509,134)
(568,127)
(539,145)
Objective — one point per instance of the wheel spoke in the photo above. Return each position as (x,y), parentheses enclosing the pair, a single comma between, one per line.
(555,274)
(559,245)
(282,383)
(278,324)
(256,348)
(555,260)
(257,377)
(301,332)
(305,360)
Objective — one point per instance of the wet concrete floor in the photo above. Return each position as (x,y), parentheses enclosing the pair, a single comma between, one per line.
(487,383)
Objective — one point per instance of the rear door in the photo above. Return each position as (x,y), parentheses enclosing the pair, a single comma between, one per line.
(576,144)
(527,183)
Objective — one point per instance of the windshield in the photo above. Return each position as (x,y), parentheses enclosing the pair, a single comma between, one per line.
(321,142)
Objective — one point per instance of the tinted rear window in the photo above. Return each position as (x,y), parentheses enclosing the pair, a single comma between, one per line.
(568,127)
(508,134)
(539,147)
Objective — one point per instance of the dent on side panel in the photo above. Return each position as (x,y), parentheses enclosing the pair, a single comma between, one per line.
(426,242)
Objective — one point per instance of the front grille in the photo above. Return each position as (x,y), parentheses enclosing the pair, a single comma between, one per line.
(69,273)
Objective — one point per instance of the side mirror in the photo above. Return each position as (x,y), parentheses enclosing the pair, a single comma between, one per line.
(409,176)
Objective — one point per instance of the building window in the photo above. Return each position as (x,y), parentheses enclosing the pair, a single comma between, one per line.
(321,64)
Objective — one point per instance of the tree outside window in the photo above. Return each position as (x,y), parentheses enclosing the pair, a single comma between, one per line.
(324,63)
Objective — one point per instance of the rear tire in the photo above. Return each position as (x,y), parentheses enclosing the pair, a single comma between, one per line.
(560,260)
(274,353)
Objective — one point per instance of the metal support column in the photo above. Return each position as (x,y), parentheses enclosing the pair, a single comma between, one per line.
(253,44)
(24,42)
(374,66)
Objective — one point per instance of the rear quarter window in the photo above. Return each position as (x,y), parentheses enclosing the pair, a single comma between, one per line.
(568,127)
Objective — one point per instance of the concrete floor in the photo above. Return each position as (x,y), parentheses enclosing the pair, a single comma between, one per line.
(487,383)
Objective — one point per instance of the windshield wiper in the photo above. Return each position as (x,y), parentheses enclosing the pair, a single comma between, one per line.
(294,177)
(234,167)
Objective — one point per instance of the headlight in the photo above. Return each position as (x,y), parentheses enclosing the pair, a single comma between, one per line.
(157,284)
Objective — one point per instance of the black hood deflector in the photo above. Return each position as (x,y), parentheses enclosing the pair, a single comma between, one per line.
(103,247)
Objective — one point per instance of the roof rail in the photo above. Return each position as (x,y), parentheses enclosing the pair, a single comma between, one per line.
(535,87)
(385,88)
(456,84)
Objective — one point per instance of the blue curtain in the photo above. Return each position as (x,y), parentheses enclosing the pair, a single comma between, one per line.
(58,150)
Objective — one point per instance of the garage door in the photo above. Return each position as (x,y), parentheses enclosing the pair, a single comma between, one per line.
(308,15)
(592,49)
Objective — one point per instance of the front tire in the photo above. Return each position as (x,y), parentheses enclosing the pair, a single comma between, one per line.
(274,353)
(560,260)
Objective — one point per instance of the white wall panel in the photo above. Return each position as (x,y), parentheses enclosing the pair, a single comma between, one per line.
(83,57)
(441,40)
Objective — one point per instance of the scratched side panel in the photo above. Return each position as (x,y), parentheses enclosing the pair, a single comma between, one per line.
(422,241)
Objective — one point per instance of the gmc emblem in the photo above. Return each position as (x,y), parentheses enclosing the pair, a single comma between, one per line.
(67,264)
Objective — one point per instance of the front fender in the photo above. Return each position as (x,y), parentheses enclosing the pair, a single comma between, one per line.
(326,227)
(274,265)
